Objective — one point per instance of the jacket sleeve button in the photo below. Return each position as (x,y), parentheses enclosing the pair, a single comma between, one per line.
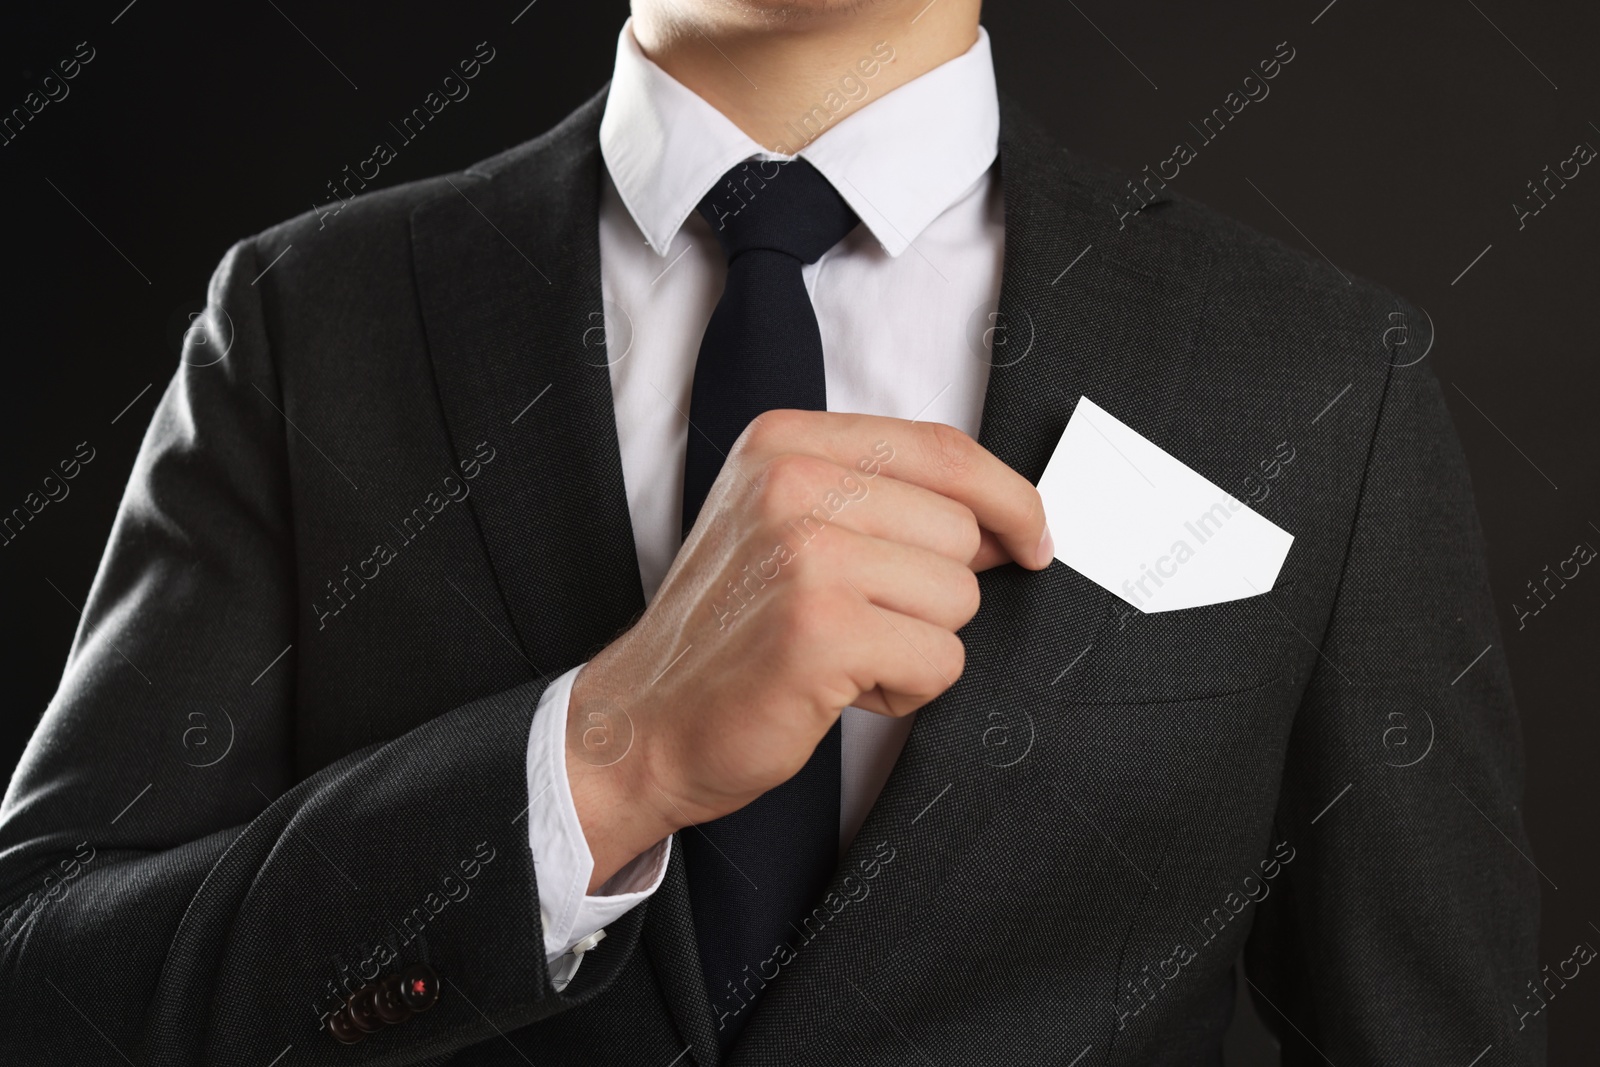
(343,1030)
(391,1006)
(419,987)
(363,1009)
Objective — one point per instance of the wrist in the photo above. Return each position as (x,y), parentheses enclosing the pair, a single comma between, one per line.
(622,812)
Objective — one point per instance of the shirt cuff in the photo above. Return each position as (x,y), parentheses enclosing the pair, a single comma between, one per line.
(562,861)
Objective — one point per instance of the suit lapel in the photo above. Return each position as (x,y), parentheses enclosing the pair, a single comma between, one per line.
(508,271)
(1092,304)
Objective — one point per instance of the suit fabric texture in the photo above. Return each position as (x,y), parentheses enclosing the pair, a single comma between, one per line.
(1058,867)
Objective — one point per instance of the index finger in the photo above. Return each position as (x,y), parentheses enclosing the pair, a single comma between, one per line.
(930,454)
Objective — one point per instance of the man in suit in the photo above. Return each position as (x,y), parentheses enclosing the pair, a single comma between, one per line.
(593,608)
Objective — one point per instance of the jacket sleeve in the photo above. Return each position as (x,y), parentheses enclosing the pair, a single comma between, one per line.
(163,903)
(1407,929)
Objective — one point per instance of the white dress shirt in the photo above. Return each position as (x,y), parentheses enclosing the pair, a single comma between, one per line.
(904,304)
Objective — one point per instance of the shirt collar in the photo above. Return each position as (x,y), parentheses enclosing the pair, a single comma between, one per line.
(899,162)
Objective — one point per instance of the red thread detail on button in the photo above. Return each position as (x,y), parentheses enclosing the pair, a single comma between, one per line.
(419,986)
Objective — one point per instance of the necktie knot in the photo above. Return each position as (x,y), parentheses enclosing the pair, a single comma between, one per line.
(782,207)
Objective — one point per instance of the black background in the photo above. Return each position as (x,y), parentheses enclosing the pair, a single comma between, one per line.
(1395,145)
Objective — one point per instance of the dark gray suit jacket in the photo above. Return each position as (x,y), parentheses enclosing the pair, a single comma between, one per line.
(287,753)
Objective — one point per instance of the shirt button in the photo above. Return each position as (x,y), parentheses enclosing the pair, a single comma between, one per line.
(589,942)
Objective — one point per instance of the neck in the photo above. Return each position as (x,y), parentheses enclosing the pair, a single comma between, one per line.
(784,78)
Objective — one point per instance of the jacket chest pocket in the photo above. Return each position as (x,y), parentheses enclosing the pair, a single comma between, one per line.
(1196,653)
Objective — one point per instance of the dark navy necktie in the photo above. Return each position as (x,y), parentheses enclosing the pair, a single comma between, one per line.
(755,874)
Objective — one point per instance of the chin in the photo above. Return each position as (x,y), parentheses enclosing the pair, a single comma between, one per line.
(765,12)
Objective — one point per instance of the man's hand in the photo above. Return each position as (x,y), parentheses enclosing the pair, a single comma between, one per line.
(831,565)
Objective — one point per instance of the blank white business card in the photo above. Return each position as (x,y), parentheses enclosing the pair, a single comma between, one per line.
(1141,524)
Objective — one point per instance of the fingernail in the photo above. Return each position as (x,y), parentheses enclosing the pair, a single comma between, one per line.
(1047,548)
